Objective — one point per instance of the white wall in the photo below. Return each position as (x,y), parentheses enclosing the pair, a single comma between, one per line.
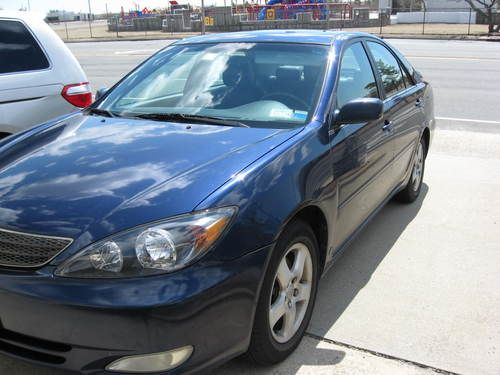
(458,5)
(447,4)
(436,17)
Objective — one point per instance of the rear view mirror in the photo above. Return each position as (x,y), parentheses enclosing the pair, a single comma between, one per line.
(101,92)
(360,110)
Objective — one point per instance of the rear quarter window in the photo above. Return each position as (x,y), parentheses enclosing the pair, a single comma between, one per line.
(407,65)
(389,69)
(19,51)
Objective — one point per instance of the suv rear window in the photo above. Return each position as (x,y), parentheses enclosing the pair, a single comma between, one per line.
(19,51)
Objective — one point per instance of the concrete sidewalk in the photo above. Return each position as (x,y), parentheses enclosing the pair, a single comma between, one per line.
(322,358)
(422,281)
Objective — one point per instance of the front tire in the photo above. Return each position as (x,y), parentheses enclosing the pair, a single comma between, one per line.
(412,190)
(287,296)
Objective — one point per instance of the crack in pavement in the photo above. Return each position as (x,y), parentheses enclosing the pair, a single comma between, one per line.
(382,355)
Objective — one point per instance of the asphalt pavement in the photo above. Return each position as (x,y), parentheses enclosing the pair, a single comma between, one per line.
(418,291)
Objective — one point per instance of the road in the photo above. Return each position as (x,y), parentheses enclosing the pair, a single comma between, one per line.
(419,290)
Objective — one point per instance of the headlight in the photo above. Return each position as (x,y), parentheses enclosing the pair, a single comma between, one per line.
(159,247)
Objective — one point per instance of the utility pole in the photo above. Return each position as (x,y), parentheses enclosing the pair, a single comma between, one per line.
(29,7)
(90,20)
(224,14)
(202,17)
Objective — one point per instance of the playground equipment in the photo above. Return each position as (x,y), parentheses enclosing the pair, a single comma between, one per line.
(287,9)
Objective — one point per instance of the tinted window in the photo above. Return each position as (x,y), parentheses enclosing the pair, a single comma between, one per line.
(356,78)
(259,84)
(388,67)
(19,51)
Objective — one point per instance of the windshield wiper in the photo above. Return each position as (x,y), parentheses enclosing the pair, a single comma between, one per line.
(180,117)
(101,112)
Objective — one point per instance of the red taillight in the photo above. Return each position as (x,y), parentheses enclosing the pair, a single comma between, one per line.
(79,94)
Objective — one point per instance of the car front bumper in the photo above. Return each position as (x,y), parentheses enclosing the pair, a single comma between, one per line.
(84,325)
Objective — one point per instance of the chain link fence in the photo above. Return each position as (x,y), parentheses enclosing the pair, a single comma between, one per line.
(325,16)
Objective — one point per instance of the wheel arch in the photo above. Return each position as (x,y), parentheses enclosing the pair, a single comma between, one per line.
(314,216)
(426,136)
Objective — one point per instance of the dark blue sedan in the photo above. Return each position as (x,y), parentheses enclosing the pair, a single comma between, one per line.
(186,217)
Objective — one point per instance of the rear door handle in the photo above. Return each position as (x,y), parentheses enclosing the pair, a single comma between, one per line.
(388,126)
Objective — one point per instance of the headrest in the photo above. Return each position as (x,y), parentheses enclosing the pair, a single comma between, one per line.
(237,71)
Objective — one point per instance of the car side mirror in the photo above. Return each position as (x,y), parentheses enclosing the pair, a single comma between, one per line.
(101,92)
(359,110)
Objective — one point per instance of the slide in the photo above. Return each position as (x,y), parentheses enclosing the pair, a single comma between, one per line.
(319,12)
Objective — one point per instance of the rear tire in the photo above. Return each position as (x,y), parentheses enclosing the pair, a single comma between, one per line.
(412,190)
(287,297)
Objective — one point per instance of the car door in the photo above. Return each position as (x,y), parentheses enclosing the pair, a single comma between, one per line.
(408,134)
(403,103)
(29,91)
(361,153)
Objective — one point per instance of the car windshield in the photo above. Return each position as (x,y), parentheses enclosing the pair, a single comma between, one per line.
(235,84)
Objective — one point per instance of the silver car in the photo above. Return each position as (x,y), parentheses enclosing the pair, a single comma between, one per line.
(39,77)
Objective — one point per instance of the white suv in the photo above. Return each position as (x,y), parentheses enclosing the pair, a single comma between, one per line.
(39,77)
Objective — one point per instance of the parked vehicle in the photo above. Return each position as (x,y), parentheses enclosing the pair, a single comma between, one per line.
(40,78)
(186,216)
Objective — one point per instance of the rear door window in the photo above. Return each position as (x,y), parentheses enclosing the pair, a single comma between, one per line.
(356,78)
(388,68)
(19,51)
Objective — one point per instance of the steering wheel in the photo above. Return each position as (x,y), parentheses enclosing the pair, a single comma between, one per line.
(287,96)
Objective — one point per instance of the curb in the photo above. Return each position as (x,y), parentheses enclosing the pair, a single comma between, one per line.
(126,39)
(477,38)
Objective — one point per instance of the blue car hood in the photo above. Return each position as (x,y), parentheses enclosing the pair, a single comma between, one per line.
(87,177)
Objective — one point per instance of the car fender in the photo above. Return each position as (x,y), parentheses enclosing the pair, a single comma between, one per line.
(272,190)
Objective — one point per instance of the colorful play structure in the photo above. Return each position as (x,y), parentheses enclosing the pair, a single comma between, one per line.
(245,16)
(287,9)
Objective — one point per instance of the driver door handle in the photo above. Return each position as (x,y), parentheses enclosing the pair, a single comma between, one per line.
(388,126)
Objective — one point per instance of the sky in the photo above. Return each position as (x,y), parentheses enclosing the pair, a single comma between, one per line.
(98,6)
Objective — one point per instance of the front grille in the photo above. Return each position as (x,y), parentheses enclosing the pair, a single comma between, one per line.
(28,250)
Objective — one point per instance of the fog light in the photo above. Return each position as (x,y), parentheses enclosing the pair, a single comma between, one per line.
(152,362)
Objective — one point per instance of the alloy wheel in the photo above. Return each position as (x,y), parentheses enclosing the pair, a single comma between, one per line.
(416,176)
(291,292)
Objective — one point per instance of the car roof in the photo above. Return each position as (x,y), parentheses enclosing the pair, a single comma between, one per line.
(20,15)
(326,37)
(33,19)
(64,68)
